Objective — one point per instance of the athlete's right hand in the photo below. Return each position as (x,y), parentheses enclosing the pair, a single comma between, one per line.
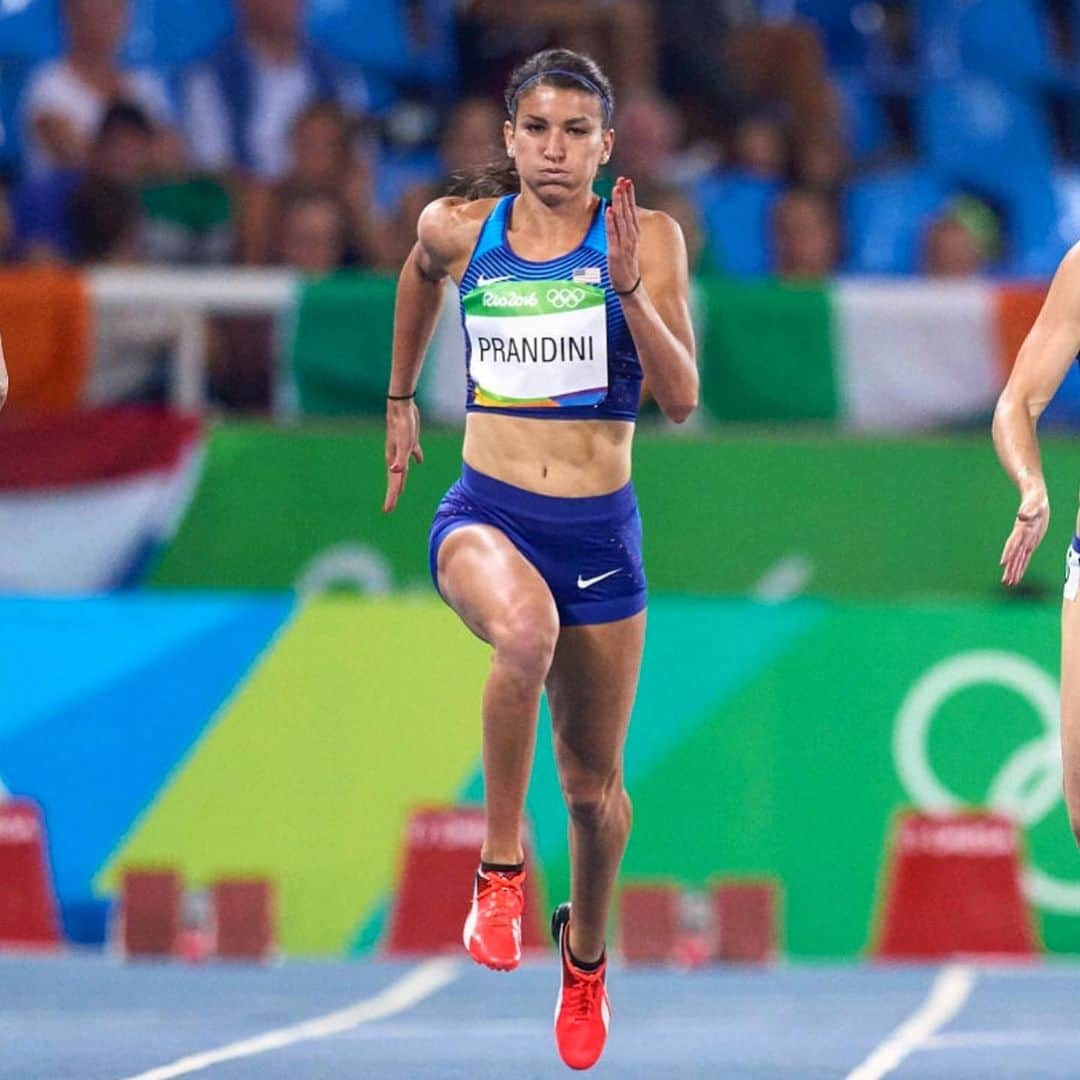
(402,442)
(1030,527)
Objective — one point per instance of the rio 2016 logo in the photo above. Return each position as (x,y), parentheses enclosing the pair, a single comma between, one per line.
(565,298)
(1026,786)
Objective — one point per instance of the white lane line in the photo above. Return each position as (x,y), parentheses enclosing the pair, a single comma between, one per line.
(412,988)
(966,1040)
(947,996)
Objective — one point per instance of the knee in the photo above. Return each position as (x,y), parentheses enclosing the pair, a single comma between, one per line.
(525,637)
(593,802)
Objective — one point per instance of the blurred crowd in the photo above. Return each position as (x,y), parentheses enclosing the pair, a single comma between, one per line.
(795,138)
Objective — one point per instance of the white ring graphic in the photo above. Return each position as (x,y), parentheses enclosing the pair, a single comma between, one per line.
(1026,788)
(564,298)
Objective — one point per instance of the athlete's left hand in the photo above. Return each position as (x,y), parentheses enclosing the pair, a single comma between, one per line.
(623,233)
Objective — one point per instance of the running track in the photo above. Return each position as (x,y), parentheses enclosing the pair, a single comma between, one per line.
(85,1016)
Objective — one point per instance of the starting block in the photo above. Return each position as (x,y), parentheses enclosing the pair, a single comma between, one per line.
(242,919)
(746,916)
(28,909)
(953,887)
(650,919)
(441,855)
(150,912)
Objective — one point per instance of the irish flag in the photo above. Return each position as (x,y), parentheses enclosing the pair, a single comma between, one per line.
(866,355)
(86,499)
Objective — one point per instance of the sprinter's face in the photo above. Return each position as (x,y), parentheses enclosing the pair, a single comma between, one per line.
(558,141)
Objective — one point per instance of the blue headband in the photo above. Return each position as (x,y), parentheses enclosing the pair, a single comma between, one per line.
(587,84)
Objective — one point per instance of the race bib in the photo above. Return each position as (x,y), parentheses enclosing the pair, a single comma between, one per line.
(1072,573)
(537,344)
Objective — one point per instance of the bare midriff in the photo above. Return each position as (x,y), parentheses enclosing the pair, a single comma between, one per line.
(565,458)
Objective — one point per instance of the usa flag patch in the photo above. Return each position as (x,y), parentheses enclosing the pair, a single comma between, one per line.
(587,275)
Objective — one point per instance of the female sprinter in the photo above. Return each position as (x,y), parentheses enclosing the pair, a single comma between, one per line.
(566,303)
(1045,356)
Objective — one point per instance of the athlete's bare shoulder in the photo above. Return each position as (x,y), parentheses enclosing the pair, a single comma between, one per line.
(663,247)
(448,229)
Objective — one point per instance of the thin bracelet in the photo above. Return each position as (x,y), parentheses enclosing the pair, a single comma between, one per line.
(628,291)
(400,397)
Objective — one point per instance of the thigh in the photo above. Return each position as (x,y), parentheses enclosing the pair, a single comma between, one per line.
(591,689)
(484,578)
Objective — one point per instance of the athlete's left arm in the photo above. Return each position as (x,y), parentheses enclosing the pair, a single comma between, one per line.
(650,244)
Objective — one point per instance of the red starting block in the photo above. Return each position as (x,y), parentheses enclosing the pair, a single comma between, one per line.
(28,910)
(442,852)
(746,917)
(242,919)
(150,912)
(650,923)
(953,887)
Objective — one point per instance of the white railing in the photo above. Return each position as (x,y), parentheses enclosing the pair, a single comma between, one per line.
(193,295)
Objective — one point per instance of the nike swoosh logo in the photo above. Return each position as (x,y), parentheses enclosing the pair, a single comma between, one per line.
(481,281)
(584,583)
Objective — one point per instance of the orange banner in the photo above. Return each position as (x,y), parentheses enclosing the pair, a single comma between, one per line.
(1016,309)
(45,322)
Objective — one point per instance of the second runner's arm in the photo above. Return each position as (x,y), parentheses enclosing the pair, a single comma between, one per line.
(416,311)
(1044,358)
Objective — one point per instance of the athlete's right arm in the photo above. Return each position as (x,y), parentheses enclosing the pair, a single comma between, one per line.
(416,310)
(1044,358)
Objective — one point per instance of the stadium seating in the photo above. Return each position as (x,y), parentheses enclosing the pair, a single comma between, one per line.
(736,211)
(884,218)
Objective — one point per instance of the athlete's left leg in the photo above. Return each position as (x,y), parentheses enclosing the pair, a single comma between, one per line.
(591,687)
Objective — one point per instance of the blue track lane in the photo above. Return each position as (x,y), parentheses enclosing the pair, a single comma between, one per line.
(88,1017)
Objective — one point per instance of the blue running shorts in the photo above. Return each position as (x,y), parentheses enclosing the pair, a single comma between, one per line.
(587,549)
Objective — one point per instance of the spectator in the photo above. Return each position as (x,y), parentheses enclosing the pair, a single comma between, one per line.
(962,241)
(620,34)
(323,160)
(66,99)
(759,147)
(649,132)
(806,236)
(241,104)
(472,139)
(105,222)
(819,161)
(314,233)
(120,154)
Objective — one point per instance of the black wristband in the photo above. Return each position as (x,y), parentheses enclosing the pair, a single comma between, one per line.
(401,397)
(628,291)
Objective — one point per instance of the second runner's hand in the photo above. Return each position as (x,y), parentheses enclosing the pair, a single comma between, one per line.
(402,443)
(1030,527)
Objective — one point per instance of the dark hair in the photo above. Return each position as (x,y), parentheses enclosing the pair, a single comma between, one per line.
(124,116)
(553,67)
(104,214)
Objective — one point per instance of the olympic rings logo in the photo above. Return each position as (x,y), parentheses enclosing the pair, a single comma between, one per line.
(1027,786)
(565,298)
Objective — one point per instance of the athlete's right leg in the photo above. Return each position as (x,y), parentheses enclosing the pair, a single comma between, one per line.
(501,598)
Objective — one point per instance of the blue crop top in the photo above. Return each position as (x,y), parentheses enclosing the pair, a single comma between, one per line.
(577,279)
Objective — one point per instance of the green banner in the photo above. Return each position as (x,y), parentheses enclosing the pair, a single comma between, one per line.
(341,344)
(767,352)
(754,514)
